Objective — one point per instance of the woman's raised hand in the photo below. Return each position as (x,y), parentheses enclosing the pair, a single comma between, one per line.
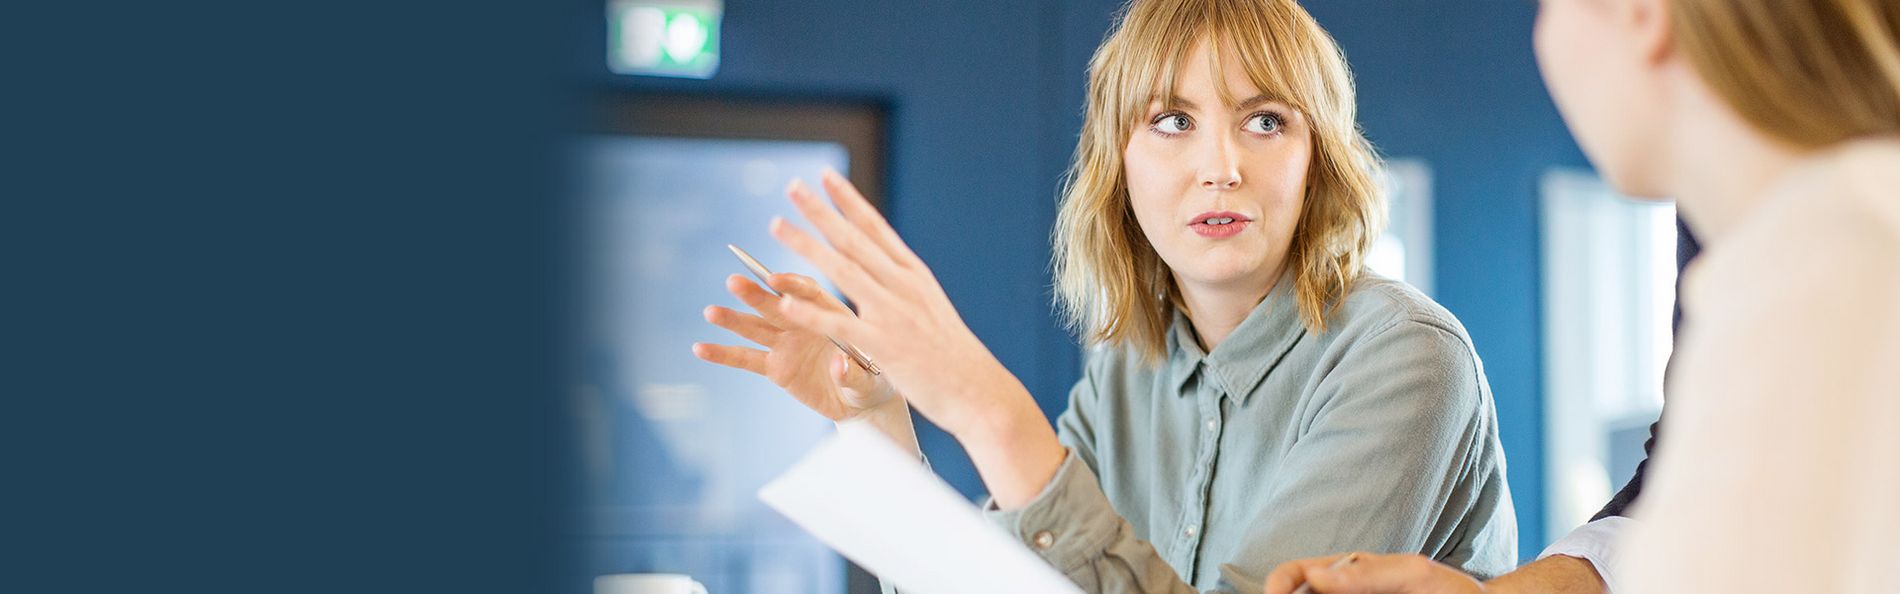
(905,322)
(908,326)
(802,362)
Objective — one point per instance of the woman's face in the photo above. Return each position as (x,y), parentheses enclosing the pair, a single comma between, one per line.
(1218,188)
(1598,59)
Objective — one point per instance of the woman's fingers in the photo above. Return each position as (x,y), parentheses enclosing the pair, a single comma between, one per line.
(1290,575)
(766,302)
(844,371)
(860,212)
(1372,574)
(848,274)
(753,296)
(749,359)
(805,288)
(836,324)
(753,328)
(846,238)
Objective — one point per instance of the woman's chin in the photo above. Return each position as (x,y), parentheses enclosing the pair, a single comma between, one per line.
(1224,275)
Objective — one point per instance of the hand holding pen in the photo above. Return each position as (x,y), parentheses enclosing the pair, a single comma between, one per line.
(807,364)
(765,276)
(906,323)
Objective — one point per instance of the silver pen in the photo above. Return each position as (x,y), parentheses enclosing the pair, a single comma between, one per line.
(758,270)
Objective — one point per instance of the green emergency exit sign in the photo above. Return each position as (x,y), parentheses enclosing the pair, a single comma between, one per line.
(678,38)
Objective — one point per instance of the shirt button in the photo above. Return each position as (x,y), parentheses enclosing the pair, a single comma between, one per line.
(1212,423)
(1190,531)
(1044,540)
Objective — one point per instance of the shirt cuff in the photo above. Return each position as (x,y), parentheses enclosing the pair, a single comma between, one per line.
(1595,542)
(1069,523)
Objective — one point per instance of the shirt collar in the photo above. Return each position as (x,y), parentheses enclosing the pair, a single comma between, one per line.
(1253,349)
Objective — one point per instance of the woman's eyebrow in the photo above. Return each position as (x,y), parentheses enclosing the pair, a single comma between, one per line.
(1250,103)
(1175,101)
(1254,101)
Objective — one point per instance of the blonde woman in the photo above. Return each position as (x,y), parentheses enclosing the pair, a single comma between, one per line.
(1776,126)
(1256,394)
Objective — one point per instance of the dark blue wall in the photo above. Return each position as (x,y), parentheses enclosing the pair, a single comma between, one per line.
(985,100)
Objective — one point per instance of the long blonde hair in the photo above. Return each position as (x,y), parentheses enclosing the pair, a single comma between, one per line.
(1809,72)
(1112,286)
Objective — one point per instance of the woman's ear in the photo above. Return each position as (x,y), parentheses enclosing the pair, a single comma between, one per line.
(1649,25)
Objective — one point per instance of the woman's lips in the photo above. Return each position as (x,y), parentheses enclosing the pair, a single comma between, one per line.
(1219,224)
(1219,231)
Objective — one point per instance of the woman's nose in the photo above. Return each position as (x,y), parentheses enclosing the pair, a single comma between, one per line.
(1227,178)
(1221,170)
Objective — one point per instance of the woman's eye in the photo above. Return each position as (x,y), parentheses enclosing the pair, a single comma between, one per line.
(1264,123)
(1172,123)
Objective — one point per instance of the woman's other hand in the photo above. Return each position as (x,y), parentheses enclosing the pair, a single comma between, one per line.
(1372,574)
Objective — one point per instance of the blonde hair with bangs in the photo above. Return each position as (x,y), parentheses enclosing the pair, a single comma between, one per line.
(1112,286)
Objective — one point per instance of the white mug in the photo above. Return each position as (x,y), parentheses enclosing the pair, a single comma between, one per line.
(647,583)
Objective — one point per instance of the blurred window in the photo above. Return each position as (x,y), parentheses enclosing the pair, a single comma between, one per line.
(1609,294)
(669,451)
(1404,251)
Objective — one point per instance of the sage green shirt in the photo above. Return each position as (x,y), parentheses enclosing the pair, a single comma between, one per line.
(1207,471)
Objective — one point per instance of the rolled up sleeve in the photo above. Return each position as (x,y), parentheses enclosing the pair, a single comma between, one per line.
(1072,525)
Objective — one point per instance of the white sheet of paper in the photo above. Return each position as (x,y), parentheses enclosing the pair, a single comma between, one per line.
(879,507)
